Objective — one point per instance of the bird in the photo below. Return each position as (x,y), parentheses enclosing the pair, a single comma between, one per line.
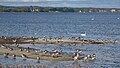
(86,57)
(10,49)
(38,58)
(60,51)
(76,58)
(54,55)
(6,55)
(14,56)
(54,51)
(83,34)
(20,49)
(36,51)
(78,51)
(45,51)
(92,19)
(27,51)
(24,56)
(92,57)
(3,46)
(17,45)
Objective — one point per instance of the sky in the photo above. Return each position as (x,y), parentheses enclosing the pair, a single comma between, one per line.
(63,3)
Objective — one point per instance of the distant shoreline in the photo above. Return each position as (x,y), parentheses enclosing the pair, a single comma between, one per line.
(54,9)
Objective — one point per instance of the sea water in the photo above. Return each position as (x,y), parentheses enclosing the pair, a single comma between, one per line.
(95,25)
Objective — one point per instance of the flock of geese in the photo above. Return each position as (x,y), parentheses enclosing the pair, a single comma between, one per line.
(77,56)
(54,53)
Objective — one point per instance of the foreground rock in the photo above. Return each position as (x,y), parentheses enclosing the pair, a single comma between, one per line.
(54,55)
(34,53)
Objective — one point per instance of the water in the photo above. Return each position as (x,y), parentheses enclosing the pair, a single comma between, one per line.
(104,26)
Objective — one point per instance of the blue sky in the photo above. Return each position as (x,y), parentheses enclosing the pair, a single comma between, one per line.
(64,3)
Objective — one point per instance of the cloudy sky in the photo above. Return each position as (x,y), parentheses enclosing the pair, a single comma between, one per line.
(63,3)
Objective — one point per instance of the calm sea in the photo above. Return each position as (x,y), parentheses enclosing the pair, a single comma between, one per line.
(96,26)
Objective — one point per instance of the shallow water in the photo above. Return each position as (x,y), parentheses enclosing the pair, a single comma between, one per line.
(104,26)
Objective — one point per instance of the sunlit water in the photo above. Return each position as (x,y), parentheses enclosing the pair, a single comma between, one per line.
(96,26)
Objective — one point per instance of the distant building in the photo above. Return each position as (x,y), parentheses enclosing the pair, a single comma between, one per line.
(35,10)
(113,10)
(80,11)
(90,10)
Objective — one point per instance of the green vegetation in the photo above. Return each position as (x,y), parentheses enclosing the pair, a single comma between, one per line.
(54,9)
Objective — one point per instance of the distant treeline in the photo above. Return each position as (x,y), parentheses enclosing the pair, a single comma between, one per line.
(54,9)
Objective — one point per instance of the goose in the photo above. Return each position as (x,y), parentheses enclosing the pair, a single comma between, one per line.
(23,56)
(3,46)
(92,19)
(92,57)
(55,54)
(20,49)
(83,34)
(38,58)
(78,51)
(60,51)
(17,45)
(27,51)
(76,58)
(86,57)
(54,50)
(45,51)
(6,55)
(10,49)
(14,56)
(36,51)
(28,48)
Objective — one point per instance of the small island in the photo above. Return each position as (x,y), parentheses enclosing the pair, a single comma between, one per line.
(51,40)
(55,55)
